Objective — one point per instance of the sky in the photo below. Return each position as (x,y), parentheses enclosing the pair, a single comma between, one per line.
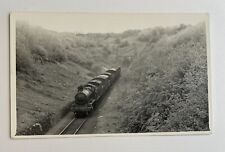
(107,22)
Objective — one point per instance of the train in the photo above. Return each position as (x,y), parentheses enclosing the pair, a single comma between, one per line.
(89,94)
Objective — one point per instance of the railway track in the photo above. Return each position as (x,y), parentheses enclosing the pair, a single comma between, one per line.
(73,126)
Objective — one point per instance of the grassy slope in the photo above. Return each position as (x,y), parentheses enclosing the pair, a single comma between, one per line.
(154,61)
(47,97)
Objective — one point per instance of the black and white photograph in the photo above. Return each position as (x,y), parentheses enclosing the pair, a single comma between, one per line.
(85,74)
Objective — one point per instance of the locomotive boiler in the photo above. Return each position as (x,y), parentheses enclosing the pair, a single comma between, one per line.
(87,95)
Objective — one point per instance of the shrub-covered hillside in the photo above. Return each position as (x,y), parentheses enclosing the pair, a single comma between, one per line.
(163,80)
(172,89)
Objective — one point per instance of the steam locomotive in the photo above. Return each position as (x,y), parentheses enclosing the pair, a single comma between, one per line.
(88,94)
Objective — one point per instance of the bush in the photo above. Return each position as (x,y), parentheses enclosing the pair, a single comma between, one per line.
(151,35)
(39,54)
(73,57)
(56,55)
(23,59)
(129,33)
(117,41)
(123,44)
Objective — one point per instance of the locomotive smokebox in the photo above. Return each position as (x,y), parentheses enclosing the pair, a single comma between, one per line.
(82,97)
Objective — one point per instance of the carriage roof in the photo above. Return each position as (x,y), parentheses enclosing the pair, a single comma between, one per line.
(103,76)
(95,81)
(107,73)
(89,85)
(113,69)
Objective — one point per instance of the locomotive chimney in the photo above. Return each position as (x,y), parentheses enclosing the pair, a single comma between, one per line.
(80,88)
